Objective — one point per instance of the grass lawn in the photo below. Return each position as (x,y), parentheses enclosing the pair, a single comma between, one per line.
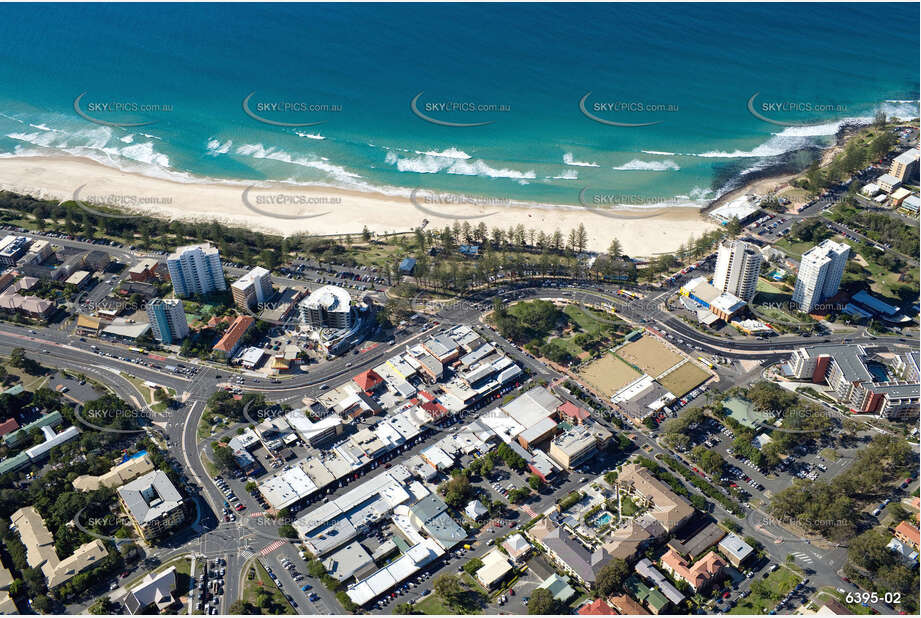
(776,586)
(608,374)
(142,388)
(183,571)
(881,279)
(684,379)
(830,593)
(650,355)
(627,507)
(795,249)
(262,582)
(433,605)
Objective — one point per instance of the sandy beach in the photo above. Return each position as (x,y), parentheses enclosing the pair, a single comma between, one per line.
(285,209)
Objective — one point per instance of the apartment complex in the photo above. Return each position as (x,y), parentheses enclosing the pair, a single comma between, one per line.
(41,554)
(738,265)
(252,289)
(820,273)
(167,320)
(327,307)
(154,505)
(196,269)
(845,369)
(665,506)
(905,166)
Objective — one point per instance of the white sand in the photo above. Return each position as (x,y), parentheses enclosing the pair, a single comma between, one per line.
(344,212)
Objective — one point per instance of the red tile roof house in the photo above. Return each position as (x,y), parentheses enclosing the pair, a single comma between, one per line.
(232,338)
(368,381)
(700,574)
(596,608)
(907,533)
(7,426)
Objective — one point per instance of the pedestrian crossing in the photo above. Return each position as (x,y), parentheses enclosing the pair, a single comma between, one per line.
(527,509)
(268,549)
(800,556)
(246,554)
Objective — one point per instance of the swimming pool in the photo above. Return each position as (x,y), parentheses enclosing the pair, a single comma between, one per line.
(603,519)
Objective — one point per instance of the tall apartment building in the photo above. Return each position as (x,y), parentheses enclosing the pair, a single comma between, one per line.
(738,264)
(255,287)
(167,320)
(154,505)
(905,166)
(327,307)
(196,269)
(820,273)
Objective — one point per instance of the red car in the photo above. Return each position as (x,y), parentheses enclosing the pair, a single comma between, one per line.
(239,507)
(726,595)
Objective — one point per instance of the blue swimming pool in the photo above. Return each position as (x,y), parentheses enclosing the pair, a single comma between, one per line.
(603,519)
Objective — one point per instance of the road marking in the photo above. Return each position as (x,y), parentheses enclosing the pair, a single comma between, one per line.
(268,549)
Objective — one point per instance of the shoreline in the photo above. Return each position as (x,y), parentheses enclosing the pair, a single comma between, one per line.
(285,209)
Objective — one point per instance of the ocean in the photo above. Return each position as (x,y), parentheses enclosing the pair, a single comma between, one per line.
(638,103)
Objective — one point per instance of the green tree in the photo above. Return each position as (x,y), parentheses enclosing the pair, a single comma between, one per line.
(542,603)
(612,576)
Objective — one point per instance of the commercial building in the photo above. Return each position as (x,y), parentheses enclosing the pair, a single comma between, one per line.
(252,289)
(735,549)
(888,183)
(327,307)
(167,319)
(196,269)
(154,505)
(905,166)
(143,270)
(12,248)
(820,272)
(495,569)
(578,443)
(41,554)
(738,265)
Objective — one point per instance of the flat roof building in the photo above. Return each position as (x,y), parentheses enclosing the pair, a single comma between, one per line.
(155,506)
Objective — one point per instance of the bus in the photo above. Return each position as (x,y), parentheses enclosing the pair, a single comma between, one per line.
(705,362)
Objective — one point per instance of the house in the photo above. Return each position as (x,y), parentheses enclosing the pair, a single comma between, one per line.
(517,547)
(559,587)
(475,510)
(627,606)
(495,569)
(654,600)
(598,607)
(368,381)
(700,574)
(154,592)
(907,533)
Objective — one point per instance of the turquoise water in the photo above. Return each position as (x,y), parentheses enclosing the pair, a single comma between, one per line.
(603,519)
(693,69)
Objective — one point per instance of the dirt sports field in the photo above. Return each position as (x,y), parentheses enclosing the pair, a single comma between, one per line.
(608,374)
(683,379)
(650,355)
